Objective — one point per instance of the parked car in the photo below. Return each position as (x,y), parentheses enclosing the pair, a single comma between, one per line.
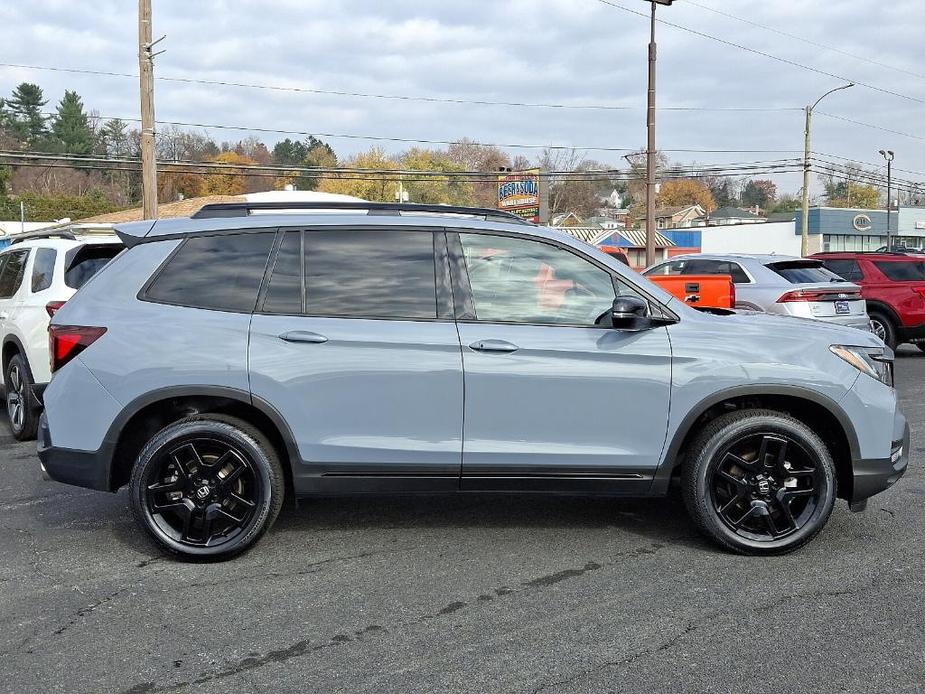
(893,285)
(231,359)
(700,291)
(784,285)
(39,271)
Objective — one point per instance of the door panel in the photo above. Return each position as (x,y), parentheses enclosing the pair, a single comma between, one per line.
(363,397)
(554,400)
(569,401)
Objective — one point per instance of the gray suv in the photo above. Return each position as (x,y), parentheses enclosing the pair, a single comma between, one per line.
(253,352)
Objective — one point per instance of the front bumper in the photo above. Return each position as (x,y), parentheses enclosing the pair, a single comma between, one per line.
(88,469)
(873,476)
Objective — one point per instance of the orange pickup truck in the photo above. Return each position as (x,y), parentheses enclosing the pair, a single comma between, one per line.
(699,291)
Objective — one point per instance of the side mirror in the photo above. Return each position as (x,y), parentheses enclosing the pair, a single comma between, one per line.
(629,313)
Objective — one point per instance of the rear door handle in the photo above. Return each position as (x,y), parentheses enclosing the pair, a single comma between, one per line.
(303,336)
(502,346)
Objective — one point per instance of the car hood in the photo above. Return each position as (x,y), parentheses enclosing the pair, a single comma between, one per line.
(754,324)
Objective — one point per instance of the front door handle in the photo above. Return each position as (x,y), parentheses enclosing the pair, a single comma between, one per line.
(502,346)
(4,315)
(303,336)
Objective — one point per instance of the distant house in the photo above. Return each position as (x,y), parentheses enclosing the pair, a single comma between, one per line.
(630,241)
(677,217)
(728,215)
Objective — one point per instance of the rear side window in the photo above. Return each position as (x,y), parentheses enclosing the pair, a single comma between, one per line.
(84,262)
(12,273)
(804,272)
(221,272)
(43,269)
(847,269)
(284,292)
(372,274)
(903,270)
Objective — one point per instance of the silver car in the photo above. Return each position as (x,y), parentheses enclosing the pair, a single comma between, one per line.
(224,362)
(780,284)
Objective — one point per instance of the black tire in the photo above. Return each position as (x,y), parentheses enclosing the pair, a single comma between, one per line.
(883,327)
(180,468)
(20,408)
(781,498)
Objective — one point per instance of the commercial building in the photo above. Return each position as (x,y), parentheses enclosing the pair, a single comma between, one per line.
(838,229)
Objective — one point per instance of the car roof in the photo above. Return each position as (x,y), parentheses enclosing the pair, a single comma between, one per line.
(62,243)
(763,258)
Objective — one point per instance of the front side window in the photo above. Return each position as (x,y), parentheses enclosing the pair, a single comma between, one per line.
(370,274)
(521,281)
(43,269)
(12,273)
(221,272)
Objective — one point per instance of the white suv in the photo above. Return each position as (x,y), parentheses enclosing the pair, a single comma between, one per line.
(39,271)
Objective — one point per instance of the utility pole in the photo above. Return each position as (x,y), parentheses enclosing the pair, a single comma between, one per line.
(650,145)
(146,73)
(889,156)
(807,168)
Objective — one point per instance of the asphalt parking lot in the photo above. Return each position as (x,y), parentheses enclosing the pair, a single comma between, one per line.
(472,594)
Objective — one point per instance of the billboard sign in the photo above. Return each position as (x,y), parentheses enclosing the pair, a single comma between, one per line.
(519,193)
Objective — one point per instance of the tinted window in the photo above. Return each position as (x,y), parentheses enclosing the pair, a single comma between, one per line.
(84,262)
(12,273)
(519,281)
(218,272)
(376,274)
(673,268)
(43,269)
(903,271)
(804,272)
(703,266)
(846,269)
(284,293)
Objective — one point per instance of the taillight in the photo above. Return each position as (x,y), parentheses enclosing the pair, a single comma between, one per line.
(52,307)
(818,295)
(732,295)
(67,341)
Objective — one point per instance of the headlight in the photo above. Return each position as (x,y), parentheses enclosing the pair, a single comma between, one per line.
(876,362)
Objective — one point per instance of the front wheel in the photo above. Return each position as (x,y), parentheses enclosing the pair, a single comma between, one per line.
(207,487)
(24,419)
(759,482)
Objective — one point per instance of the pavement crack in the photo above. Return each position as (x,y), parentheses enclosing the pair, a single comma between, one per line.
(84,611)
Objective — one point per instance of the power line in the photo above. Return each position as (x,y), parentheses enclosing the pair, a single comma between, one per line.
(805,40)
(871,125)
(397,97)
(765,54)
(409,140)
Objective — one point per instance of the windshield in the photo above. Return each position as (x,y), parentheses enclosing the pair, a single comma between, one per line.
(804,272)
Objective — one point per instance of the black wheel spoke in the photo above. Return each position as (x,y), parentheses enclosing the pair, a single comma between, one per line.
(783,503)
(202,492)
(768,457)
(732,479)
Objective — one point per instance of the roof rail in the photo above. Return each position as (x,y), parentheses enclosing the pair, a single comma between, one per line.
(244,209)
(44,234)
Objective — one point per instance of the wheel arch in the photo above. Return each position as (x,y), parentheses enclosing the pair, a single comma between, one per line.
(885,308)
(12,346)
(147,415)
(816,410)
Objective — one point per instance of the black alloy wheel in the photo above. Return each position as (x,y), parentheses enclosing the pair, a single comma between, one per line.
(207,487)
(766,486)
(759,482)
(19,406)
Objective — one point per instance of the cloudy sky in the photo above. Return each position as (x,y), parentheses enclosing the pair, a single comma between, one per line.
(568,52)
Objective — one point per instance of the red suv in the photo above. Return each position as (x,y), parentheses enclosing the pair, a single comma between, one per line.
(893,285)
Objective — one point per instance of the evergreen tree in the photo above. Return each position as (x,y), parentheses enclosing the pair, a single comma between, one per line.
(25,106)
(71,127)
(114,138)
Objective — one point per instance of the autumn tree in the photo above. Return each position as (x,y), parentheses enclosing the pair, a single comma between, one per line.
(487,160)
(760,192)
(682,192)
(312,153)
(232,181)
(377,187)
(432,189)
(846,188)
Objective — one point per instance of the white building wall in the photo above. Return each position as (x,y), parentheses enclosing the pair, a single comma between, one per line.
(772,237)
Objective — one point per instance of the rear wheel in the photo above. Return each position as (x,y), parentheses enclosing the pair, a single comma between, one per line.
(882,326)
(759,482)
(24,419)
(207,487)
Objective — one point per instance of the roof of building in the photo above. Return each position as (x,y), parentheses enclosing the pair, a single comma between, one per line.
(629,238)
(733,213)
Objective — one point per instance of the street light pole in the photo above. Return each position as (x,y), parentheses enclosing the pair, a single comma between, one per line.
(807,168)
(889,156)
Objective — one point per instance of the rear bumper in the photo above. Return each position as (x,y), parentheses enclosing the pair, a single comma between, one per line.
(873,476)
(88,469)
